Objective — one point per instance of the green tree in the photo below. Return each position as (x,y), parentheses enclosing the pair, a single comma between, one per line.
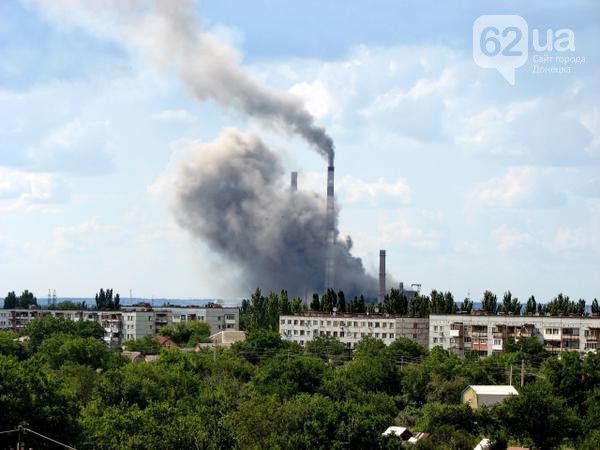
(531,307)
(341,302)
(595,307)
(60,349)
(10,301)
(288,376)
(146,345)
(25,300)
(327,348)
(466,306)
(538,416)
(510,304)
(489,303)
(187,334)
(10,345)
(315,304)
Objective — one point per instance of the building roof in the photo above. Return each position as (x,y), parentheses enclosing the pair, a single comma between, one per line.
(488,389)
(228,337)
(402,432)
(165,341)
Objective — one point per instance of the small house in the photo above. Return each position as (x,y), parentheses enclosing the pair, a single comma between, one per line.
(477,396)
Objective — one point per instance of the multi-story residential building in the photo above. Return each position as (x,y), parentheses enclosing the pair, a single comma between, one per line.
(217,318)
(130,322)
(351,328)
(486,334)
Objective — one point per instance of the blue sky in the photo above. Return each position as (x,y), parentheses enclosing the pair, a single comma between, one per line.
(468,182)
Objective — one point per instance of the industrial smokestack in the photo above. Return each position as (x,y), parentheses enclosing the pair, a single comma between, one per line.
(330,257)
(381,296)
(294,184)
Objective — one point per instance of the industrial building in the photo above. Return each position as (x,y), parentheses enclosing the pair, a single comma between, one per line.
(486,334)
(351,328)
(130,323)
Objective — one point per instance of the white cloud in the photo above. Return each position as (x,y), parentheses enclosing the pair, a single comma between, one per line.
(350,189)
(517,187)
(467,247)
(77,147)
(175,115)
(317,99)
(402,230)
(567,239)
(86,235)
(21,190)
(591,121)
(508,238)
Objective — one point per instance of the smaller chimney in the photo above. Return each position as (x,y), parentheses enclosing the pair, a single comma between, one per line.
(294,184)
(381,296)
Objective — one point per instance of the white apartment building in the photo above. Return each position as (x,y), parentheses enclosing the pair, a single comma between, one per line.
(351,328)
(130,322)
(486,334)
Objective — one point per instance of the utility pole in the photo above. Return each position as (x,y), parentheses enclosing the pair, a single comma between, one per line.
(510,376)
(522,372)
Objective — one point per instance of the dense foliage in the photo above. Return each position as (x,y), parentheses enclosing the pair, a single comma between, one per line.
(269,393)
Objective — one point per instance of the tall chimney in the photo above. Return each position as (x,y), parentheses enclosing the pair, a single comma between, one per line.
(381,296)
(330,257)
(294,184)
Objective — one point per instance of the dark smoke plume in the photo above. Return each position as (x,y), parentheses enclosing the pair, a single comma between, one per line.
(166,33)
(230,193)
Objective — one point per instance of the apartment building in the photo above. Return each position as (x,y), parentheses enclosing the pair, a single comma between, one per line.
(218,319)
(351,328)
(130,322)
(486,334)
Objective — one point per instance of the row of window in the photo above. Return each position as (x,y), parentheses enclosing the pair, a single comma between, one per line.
(341,323)
(342,334)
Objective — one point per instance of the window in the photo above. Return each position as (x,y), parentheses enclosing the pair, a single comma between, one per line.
(335,334)
(295,332)
(435,340)
(282,321)
(341,334)
(435,328)
(355,324)
(289,321)
(415,335)
(302,322)
(376,324)
(384,325)
(370,324)
(497,342)
(301,332)
(296,322)
(384,335)
(315,322)
(329,323)
(335,323)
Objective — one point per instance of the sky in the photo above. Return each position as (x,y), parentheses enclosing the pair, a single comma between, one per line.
(468,182)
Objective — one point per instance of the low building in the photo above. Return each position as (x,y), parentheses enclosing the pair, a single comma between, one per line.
(487,334)
(351,328)
(130,322)
(477,396)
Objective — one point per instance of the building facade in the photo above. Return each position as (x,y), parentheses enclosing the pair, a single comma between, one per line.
(130,322)
(351,328)
(487,334)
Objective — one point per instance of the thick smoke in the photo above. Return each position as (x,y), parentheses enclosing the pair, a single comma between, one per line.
(231,195)
(167,33)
